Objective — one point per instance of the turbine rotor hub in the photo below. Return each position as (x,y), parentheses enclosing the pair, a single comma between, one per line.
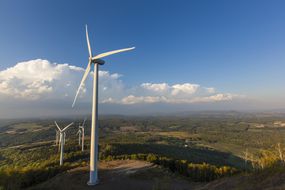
(98,61)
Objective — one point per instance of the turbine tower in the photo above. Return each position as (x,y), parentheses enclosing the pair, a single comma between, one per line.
(96,61)
(64,135)
(56,137)
(62,140)
(81,132)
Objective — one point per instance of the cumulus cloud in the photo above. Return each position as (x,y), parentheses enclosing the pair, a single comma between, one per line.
(185,88)
(42,80)
(162,87)
(216,98)
(29,80)
(131,99)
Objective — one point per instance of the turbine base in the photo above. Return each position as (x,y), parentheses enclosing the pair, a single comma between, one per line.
(93,180)
(93,183)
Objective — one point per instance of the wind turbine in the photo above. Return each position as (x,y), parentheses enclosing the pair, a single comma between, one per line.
(62,139)
(56,137)
(64,135)
(57,143)
(81,135)
(96,61)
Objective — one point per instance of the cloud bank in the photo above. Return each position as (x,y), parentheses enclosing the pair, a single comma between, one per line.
(41,79)
(38,81)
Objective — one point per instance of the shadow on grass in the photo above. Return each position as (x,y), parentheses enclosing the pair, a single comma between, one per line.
(191,154)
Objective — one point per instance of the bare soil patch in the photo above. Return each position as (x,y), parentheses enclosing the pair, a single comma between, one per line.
(122,175)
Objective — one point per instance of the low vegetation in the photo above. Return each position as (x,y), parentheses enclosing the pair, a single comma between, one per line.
(196,172)
(200,147)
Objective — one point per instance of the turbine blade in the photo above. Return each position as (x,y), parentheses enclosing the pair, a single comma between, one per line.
(83,122)
(67,126)
(111,53)
(82,81)
(57,125)
(88,43)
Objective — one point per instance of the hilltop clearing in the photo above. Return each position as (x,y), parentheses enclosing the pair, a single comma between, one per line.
(120,174)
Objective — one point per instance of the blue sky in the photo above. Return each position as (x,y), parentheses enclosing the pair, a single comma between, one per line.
(234,46)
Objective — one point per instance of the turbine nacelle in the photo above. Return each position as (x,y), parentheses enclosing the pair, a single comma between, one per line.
(98,61)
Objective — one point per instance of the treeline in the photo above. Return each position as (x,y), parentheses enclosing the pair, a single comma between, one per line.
(19,178)
(193,154)
(197,172)
(272,159)
(13,178)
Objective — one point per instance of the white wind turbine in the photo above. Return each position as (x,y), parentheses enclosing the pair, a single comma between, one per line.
(96,61)
(81,135)
(56,137)
(62,139)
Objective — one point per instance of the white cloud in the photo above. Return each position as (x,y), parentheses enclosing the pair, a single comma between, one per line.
(29,80)
(210,90)
(161,87)
(216,98)
(42,80)
(185,88)
(131,99)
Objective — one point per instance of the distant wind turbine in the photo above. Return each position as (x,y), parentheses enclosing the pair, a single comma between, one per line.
(62,139)
(81,135)
(56,137)
(96,61)
(57,143)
